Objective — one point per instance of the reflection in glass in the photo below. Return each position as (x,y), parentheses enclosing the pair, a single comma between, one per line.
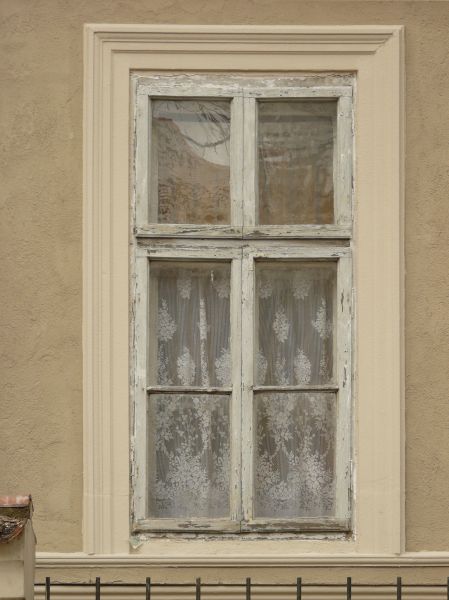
(190,170)
(296,154)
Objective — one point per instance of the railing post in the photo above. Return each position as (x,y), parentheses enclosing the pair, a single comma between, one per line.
(198,589)
(348,588)
(298,588)
(399,588)
(447,588)
(97,588)
(148,588)
(47,588)
(248,588)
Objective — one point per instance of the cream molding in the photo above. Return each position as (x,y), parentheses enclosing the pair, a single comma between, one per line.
(279,39)
(111,54)
(408,559)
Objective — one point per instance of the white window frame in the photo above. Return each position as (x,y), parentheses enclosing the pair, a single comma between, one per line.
(375,54)
(238,244)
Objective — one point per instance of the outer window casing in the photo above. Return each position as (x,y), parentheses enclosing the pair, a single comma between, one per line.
(375,55)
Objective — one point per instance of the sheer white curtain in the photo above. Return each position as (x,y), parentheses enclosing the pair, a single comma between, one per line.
(295,431)
(188,440)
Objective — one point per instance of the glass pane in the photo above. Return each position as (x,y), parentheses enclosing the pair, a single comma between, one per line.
(190,302)
(188,456)
(295,323)
(294,455)
(296,147)
(190,161)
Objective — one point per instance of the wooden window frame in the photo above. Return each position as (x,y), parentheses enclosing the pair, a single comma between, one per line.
(238,245)
(375,54)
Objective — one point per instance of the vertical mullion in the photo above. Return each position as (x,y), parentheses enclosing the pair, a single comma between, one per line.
(344,380)
(236,396)
(343,163)
(248,282)
(250,193)
(139,441)
(143,128)
(236,161)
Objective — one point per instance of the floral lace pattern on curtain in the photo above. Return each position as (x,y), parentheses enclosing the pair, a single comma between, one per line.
(295,455)
(294,445)
(295,342)
(189,446)
(188,434)
(193,324)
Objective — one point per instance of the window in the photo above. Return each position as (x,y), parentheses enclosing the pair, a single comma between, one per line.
(116,57)
(242,330)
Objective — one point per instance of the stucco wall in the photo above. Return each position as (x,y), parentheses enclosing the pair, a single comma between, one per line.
(40,292)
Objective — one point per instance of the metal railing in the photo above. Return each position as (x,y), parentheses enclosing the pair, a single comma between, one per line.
(298,590)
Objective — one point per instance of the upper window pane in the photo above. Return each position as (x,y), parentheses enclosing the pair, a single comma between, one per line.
(190,173)
(296,156)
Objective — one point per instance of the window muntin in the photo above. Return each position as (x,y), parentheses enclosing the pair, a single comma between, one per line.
(318,401)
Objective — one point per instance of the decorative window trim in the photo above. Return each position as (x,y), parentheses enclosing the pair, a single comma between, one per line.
(375,53)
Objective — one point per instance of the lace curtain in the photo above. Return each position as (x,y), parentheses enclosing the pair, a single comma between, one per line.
(189,447)
(295,432)
(295,324)
(189,433)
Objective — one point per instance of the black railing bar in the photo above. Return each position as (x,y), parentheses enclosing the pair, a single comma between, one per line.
(399,588)
(299,588)
(198,589)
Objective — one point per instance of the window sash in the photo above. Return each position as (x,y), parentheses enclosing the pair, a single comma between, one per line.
(342,384)
(142,390)
(223,242)
(243,157)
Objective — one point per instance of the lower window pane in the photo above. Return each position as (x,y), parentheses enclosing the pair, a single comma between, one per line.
(188,456)
(294,455)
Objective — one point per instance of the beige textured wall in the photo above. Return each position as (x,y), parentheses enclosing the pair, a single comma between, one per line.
(40,237)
